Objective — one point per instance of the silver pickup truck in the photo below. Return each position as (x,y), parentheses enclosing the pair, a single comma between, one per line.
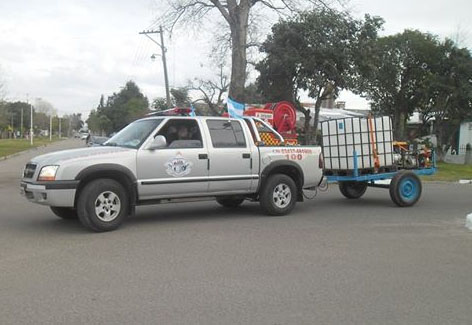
(170,159)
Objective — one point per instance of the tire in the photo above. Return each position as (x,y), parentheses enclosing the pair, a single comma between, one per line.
(230,201)
(65,213)
(405,189)
(352,190)
(103,205)
(278,195)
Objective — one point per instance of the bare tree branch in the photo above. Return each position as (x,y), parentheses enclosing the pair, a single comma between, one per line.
(242,35)
(212,91)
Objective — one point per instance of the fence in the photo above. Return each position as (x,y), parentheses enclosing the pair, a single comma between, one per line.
(461,150)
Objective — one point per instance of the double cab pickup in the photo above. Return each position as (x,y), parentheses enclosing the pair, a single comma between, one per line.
(172,159)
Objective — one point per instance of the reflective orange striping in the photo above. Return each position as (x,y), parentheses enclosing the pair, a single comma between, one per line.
(269,139)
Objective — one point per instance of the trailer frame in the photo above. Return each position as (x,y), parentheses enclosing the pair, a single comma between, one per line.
(405,187)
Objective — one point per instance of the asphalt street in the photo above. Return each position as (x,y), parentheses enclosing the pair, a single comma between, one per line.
(332,261)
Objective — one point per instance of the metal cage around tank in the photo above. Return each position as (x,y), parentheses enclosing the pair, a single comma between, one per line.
(343,136)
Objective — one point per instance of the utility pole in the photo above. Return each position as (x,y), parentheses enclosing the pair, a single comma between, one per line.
(31,119)
(59,127)
(31,125)
(12,126)
(21,126)
(50,127)
(163,51)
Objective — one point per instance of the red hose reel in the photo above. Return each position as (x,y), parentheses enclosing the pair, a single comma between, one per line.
(281,115)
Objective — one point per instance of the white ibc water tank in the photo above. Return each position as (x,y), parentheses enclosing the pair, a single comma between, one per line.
(342,137)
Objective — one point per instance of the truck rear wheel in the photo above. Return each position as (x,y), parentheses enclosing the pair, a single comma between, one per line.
(278,195)
(64,212)
(405,189)
(230,201)
(352,190)
(103,205)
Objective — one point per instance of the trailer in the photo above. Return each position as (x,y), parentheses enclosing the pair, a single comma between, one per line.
(359,152)
(405,186)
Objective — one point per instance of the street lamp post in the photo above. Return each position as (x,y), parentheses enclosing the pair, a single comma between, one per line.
(50,127)
(31,124)
(21,126)
(163,55)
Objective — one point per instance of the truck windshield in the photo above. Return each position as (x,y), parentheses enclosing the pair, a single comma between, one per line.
(133,135)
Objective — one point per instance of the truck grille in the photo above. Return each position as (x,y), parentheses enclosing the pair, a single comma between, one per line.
(29,170)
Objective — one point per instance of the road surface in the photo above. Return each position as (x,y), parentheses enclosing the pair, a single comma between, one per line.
(332,261)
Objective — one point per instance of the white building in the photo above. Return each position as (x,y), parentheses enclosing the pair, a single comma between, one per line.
(465,136)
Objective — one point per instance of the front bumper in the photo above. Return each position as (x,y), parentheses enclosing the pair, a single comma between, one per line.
(55,193)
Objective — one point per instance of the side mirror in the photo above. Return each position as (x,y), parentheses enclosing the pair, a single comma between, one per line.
(158,142)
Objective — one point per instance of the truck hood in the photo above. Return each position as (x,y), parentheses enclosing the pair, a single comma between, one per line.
(92,153)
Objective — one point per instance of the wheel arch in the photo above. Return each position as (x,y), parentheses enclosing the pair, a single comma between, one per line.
(289,168)
(119,173)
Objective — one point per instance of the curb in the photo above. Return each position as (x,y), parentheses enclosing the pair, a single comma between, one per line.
(465,181)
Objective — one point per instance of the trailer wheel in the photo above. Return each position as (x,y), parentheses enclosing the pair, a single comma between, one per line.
(352,190)
(405,189)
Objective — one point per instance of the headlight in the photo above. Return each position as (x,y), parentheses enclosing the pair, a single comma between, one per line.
(48,173)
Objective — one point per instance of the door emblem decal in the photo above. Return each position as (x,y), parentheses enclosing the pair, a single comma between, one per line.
(178,166)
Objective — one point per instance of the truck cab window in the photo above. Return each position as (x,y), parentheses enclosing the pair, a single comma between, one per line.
(181,133)
(133,135)
(226,134)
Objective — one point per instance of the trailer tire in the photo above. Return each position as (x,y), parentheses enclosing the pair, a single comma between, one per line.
(230,201)
(405,189)
(352,190)
(65,213)
(278,195)
(103,205)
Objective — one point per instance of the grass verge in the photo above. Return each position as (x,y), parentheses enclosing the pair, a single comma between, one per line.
(450,173)
(11,146)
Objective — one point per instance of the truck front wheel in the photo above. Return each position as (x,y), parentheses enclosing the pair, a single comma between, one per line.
(278,195)
(103,205)
(64,213)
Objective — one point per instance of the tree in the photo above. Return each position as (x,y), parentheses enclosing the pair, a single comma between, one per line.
(254,95)
(447,96)
(236,15)
(159,104)
(43,106)
(398,75)
(180,96)
(212,90)
(13,111)
(317,52)
(3,117)
(120,109)
(2,86)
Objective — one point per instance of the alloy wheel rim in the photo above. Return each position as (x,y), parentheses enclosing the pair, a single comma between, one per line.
(282,195)
(107,206)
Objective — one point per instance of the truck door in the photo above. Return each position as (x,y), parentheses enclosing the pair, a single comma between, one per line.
(178,170)
(231,165)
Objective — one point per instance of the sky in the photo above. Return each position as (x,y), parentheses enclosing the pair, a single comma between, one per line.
(69,52)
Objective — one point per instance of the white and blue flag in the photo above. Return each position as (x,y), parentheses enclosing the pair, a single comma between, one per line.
(235,109)
(192,112)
